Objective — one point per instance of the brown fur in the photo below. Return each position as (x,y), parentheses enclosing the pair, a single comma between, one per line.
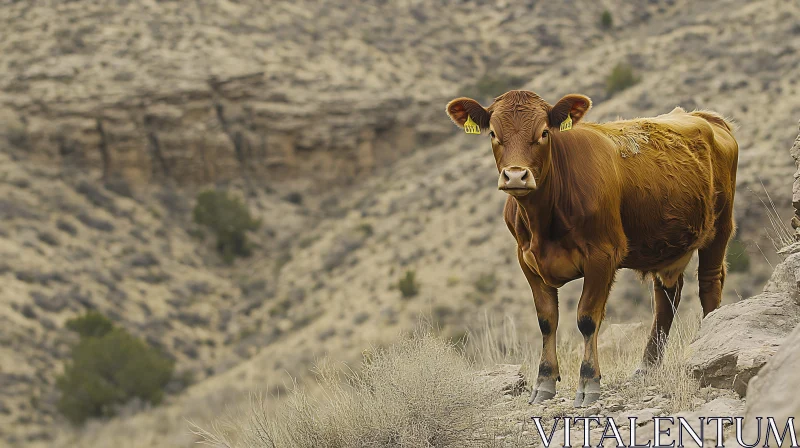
(643,194)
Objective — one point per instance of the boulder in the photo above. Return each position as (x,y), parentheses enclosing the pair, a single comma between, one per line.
(786,276)
(795,152)
(506,379)
(772,392)
(736,340)
(720,406)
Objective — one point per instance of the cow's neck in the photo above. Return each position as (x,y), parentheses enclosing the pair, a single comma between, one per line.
(539,213)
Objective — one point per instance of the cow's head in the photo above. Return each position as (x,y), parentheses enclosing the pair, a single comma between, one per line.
(520,125)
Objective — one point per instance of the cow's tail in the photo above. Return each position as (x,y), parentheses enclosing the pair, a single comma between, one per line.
(715,118)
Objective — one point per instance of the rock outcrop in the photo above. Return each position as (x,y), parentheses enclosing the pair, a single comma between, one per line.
(505,379)
(772,392)
(737,340)
(795,151)
(214,91)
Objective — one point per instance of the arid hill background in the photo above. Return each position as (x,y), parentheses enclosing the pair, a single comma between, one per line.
(327,119)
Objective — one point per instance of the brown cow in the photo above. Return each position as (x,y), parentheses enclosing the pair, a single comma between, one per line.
(586,199)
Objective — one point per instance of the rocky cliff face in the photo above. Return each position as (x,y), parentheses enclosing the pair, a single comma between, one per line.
(218,90)
(795,152)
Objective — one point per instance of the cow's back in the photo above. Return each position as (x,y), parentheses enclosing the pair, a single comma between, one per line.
(667,173)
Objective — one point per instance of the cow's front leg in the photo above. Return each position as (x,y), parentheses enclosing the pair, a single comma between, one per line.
(599,270)
(546,300)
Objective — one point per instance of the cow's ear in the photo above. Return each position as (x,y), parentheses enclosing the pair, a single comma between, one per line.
(462,109)
(573,105)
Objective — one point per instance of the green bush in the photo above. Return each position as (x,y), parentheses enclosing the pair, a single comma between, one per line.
(366,229)
(229,219)
(408,285)
(491,86)
(737,257)
(486,283)
(109,370)
(620,78)
(606,21)
(91,324)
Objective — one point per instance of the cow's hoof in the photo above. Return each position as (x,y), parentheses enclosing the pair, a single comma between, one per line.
(543,391)
(578,400)
(591,392)
(588,392)
(589,399)
(540,396)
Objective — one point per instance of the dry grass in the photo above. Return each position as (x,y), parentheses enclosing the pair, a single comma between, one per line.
(672,379)
(501,344)
(780,234)
(420,392)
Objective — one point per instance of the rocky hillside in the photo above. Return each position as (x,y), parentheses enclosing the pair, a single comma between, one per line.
(115,113)
(217,90)
(737,365)
(70,245)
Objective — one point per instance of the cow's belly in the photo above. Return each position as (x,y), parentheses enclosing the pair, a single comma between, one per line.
(656,251)
(556,268)
(662,231)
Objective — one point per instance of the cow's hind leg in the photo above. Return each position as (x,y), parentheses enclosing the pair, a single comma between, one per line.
(666,297)
(546,300)
(711,269)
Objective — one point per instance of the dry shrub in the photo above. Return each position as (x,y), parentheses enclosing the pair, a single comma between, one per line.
(503,344)
(672,378)
(420,392)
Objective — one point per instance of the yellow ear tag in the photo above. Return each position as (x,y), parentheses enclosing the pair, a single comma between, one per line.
(566,125)
(470,127)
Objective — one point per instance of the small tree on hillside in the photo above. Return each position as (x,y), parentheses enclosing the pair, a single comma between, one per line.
(108,368)
(229,218)
(620,78)
(408,285)
(606,20)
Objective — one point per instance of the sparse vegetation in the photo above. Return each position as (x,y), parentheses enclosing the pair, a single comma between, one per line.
(440,313)
(418,392)
(108,368)
(90,325)
(366,229)
(491,85)
(344,245)
(280,308)
(307,241)
(737,257)
(780,235)
(408,285)
(229,218)
(422,391)
(294,197)
(621,77)
(606,20)
(493,344)
(486,283)
(66,227)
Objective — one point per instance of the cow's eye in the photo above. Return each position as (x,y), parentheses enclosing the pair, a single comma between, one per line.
(491,134)
(545,133)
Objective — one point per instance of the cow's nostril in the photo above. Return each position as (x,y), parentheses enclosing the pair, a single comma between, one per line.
(505,176)
(524,175)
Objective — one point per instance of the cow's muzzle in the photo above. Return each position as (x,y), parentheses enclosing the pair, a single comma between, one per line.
(516,181)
